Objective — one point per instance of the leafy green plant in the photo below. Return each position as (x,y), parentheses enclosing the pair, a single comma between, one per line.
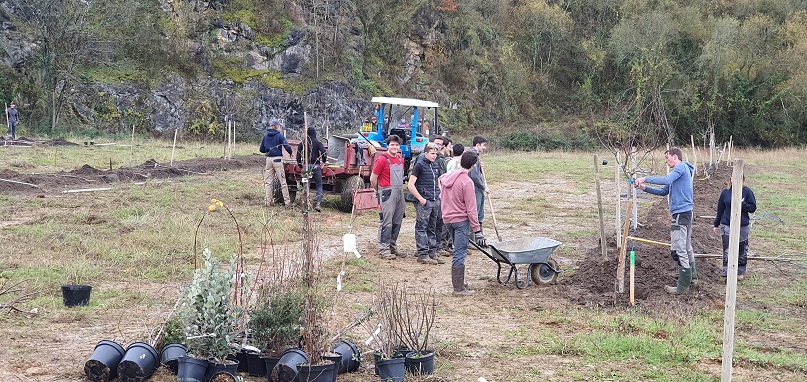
(275,325)
(520,141)
(206,311)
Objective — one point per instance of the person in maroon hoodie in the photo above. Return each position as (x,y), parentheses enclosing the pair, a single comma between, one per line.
(460,216)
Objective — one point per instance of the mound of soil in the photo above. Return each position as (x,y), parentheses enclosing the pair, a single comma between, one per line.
(593,283)
(91,177)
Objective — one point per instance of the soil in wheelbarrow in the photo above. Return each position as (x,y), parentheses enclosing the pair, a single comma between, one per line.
(593,282)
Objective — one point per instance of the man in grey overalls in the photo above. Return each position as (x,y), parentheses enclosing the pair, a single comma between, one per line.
(387,180)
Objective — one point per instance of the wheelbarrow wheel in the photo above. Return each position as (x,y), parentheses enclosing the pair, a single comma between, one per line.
(544,273)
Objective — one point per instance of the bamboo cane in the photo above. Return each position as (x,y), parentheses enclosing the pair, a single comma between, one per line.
(620,270)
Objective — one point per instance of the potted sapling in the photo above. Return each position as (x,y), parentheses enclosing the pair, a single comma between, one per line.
(415,319)
(209,316)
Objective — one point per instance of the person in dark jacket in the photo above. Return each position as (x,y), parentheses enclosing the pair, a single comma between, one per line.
(13,118)
(423,186)
(272,145)
(317,156)
(723,219)
(480,144)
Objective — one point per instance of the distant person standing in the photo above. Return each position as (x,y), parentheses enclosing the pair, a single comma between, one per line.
(456,152)
(678,185)
(459,214)
(13,118)
(317,156)
(387,179)
(423,186)
(480,144)
(723,219)
(272,145)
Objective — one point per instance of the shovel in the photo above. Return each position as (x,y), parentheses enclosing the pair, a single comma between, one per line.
(492,211)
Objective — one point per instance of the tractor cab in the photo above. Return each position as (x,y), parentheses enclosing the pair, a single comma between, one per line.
(410,119)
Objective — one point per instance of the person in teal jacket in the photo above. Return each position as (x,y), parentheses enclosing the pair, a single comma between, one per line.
(678,185)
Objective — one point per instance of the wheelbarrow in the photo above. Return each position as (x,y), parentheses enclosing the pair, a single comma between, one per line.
(534,251)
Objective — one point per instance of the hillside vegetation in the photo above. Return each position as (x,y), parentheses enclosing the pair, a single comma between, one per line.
(562,73)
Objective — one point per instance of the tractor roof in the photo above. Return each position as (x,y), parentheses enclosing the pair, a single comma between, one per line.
(404,101)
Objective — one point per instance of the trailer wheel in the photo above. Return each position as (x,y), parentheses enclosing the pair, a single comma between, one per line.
(277,195)
(543,274)
(354,182)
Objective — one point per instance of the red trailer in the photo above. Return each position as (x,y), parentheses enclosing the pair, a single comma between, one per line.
(346,173)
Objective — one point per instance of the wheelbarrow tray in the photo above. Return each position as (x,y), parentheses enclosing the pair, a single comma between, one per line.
(534,251)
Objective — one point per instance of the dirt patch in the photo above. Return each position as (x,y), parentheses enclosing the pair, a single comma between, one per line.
(91,177)
(593,283)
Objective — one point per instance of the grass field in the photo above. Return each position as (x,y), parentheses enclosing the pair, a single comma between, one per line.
(135,243)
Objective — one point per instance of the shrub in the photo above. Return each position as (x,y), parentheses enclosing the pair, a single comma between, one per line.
(520,141)
(275,326)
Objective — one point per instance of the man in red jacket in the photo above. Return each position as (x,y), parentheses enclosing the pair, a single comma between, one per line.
(459,214)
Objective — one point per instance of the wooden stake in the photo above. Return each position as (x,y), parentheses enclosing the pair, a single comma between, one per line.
(16,182)
(731,282)
(618,204)
(131,154)
(731,147)
(620,269)
(599,206)
(694,154)
(174,147)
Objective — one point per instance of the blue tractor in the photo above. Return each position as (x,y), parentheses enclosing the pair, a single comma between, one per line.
(411,119)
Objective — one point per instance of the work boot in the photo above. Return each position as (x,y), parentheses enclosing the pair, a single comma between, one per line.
(694,273)
(446,252)
(437,258)
(684,281)
(740,277)
(318,207)
(387,256)
(426,260)
(393,248)
(458,282)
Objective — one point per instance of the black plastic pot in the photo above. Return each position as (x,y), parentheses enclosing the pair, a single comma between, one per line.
(222,376)
(256,366)
(317,373)
(76,295)
(391,369)
(270,363)
(395,354)
(139,362)
(288,365)
(191,369)
(243,365)
(418,364)
(170,354)
(337,360)
(103,363)
(351,356)
(215,367)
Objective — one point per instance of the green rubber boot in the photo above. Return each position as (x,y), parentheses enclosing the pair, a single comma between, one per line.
(684,281)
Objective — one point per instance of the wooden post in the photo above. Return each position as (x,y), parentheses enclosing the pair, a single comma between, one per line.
(620,269)
(618,182)
(731,282)
(174,147)
(711,148)
(232,148)
(694,154)
(599,206)
(131,154)
(8,124)
(731,146)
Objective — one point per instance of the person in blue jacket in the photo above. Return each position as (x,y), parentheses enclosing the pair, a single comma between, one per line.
(678,185)
(272,145)
(723,219)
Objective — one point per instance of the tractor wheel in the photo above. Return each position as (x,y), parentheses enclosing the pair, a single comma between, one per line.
(277,195)
(543,274)
(355,182)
